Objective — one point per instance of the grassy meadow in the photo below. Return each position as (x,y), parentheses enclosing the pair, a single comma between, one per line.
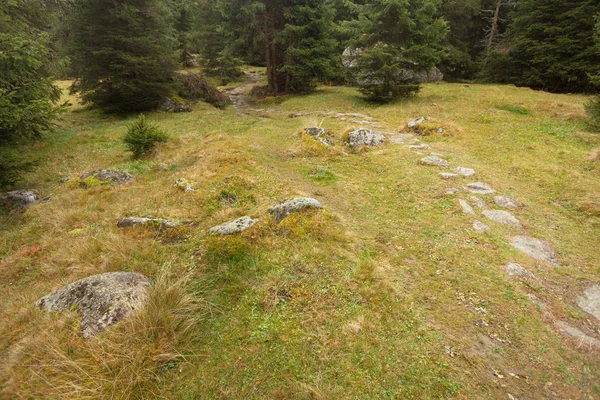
(387,293)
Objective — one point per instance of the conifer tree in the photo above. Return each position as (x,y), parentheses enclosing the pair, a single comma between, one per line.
(123,53)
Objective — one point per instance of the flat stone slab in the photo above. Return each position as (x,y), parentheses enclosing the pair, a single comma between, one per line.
(281,210)
(515,269)
(151,222)
(101,300)
(575,333)
(480,227)
(535,248)
(502,217)
(434,161)
(19,198)
(447,175)
(505,202)
(320,134)
(479,188)
(108,176)
(365,137)
(466,207)
(590,301)
(478,202)
(231,227)
(466,172)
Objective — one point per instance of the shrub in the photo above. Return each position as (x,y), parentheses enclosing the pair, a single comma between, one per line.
(142,137)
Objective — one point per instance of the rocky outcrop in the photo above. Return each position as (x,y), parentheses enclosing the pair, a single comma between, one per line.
(19,198)
(107,176)
(281,210)
(101,300)
(320,134)
(365,137)
(232,227)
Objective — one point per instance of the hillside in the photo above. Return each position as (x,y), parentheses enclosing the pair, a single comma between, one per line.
(387,292)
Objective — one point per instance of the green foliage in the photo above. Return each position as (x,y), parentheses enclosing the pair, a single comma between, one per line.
(552,46)
(593,111)
(396,40)
(142,137)
(123,53)
(515,109)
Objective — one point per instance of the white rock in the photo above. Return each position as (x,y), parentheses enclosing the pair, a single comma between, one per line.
(466,172)
(505,202)
(281,210)
(365,137)
(434,160)
(535,248)
(514,269)
(477,201)
(502,217)
(480,227)
(447,175)
(466,207)
(418,121)
(590,301)
(231,227)
(479,188)
(422,146)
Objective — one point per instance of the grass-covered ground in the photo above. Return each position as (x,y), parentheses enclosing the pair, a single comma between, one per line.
(386,293)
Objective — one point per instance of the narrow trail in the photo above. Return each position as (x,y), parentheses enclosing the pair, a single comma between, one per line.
(239,95)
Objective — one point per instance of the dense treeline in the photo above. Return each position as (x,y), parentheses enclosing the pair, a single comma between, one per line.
(123,54)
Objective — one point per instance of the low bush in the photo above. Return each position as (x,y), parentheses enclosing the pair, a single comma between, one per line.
(142,137)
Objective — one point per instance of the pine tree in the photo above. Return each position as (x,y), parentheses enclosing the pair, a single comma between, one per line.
(396,40)
(123,53)
(553,46)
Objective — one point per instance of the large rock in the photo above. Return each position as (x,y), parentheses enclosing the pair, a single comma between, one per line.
(535,248)
(281,210)
(107,176)
(590,301)
(19,198)
(365,137)
(479,188)
(502,217)
(101,300)
(320,134)
(151,222)
(434,160)
(231,227)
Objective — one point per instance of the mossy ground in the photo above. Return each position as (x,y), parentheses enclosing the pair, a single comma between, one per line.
(386,293)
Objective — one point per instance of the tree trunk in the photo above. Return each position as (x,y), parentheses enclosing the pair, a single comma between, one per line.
(494,27)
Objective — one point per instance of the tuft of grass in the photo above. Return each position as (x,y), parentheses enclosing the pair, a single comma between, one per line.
(321,175)
(513,108)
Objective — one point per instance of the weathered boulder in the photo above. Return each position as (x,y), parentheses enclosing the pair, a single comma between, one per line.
(151,222)
(365,137)
(101,300)
(434,161)
(466,172)
(231,227)
(107,176)
(480,227)
(183,184)
(590,301)
(502,217)
(505,202)
(281,210)
(19,198)
(535,248)
(466,207)
(320,134)
(479,188)
(515,269)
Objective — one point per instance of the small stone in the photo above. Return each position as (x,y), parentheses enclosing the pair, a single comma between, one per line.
(108,176)
(422,146)
(152,222)
(505,202)
(434,160)
(535,248)
(231,227)
(447,175)
(19,198)
(466,172)
(365,137)
(479,188)
(281,210)
(502,217)
(514,269)
(418,121)
(575,333)
(477,201)
(451,191)
(440,131)
(184,185)
(320,134)
(590,301)
(480,227)
(466,207)
(101,300)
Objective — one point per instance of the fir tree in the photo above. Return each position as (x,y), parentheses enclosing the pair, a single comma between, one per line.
(123,53)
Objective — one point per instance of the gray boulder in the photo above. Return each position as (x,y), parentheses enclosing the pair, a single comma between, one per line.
(320,134)
(514,269)
(281,210)
(590,301)
(480,227)
(466,172)
(466,207)
(365,137)
(502,217)
(108,176)
(417,121)
(477,201)
(151,222)
(101,300)
(479,188)
(231,227)
(434,161)
(505,202)
(535,248)
(19,198)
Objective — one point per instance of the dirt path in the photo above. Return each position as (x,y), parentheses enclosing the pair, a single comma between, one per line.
(239,95)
